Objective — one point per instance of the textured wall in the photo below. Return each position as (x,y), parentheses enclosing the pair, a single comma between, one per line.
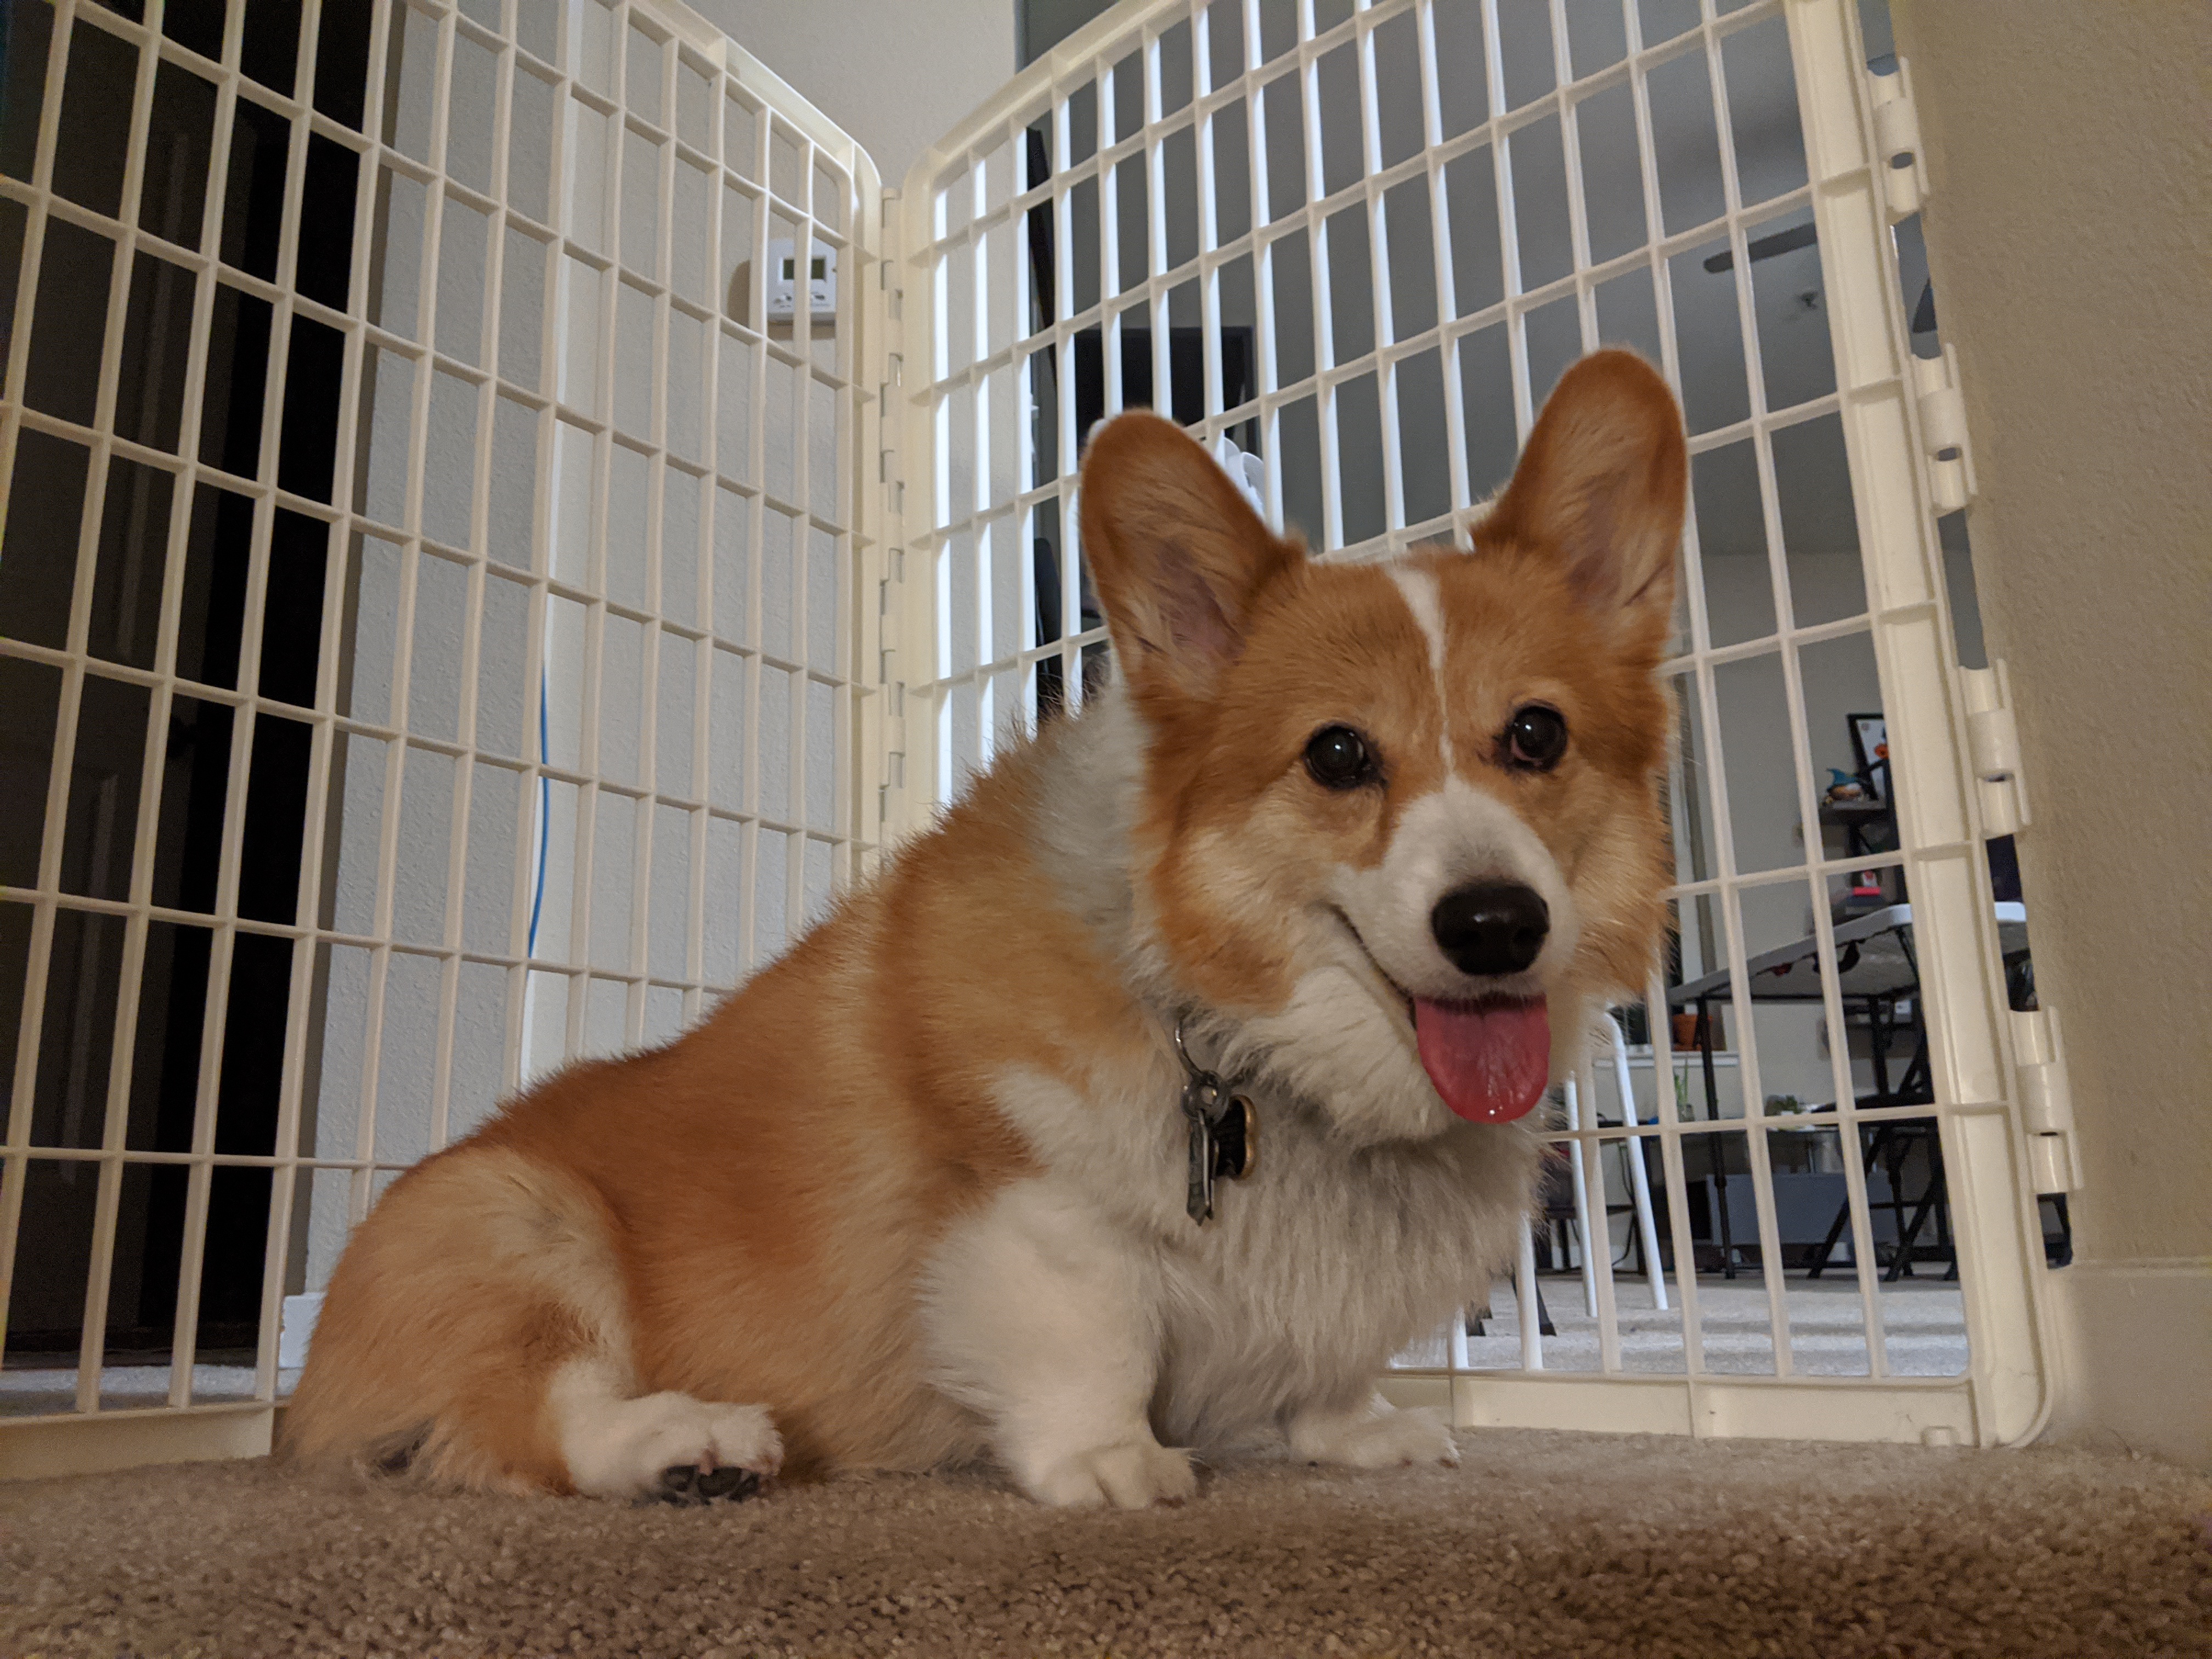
(895,76)
(2071,238)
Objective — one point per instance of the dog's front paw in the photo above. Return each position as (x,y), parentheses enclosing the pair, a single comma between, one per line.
(1133,1474)
(1375,1437)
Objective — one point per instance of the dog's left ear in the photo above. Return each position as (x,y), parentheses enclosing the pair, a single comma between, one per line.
(1179,558)
(1603,483)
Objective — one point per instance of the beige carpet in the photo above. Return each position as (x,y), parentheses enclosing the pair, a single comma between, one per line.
(1585,1546)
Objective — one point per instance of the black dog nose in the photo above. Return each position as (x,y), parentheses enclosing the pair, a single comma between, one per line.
(1492,927)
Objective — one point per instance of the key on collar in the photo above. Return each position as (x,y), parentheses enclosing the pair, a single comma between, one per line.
(1224,1134)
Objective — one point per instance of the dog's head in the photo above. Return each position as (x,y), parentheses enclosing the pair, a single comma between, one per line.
(1401,821)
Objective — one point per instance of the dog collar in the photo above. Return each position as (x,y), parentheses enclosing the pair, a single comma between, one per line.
(1224,1131)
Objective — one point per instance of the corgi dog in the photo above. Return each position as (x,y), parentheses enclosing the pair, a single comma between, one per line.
(1178,1077)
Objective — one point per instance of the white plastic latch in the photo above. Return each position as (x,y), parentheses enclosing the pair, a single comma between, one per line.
(1944,430)
(1896,143)
(2046,1101)
(1993,742)
(1247,471)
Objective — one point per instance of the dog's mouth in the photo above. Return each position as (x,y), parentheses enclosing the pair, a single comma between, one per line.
(1488,1058)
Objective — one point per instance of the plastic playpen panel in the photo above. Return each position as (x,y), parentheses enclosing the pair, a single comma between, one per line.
(441,466)
(1351,247)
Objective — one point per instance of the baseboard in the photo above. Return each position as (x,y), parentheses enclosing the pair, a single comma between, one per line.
(2135,1341)
(96,1442)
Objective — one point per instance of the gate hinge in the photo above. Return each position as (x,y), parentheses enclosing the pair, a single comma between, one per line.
(1944,430)
(1993,744)
(893,611)
(895,733)
(2046,1101)
(1896,143)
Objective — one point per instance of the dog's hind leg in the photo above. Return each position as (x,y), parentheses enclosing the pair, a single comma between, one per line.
(476,1334)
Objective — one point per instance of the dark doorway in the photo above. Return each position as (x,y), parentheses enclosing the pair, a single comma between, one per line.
(122,746)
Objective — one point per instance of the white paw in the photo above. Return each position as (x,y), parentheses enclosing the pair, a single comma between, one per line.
(663,1445)
(1133,1474)
(1374,1438)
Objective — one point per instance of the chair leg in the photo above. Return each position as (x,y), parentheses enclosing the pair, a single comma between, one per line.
(1476,1316)
(1929,1200)
(1900,1260)
(1835,1231)
(1901,1264)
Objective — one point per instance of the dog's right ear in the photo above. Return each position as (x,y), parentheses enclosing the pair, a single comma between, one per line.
(1179,558)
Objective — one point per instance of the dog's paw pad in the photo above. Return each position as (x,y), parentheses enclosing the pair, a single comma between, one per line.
(688,1486)
(671,1448)
(731,1485)
(679,1485)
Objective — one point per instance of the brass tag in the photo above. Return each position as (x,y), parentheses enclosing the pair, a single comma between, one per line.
(1236,1139)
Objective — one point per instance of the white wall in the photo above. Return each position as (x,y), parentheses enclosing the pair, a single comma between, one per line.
(535,523)
(2071,160)
(896,74)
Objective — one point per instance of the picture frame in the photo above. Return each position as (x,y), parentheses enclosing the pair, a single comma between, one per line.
(1870,745)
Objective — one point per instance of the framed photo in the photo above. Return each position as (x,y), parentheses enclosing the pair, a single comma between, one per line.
(1870,743)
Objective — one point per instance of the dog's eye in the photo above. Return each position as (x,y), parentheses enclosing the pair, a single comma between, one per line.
(1534,739)
(1339,758)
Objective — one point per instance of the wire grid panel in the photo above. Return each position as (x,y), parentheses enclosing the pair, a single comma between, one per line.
(1360,243)
(444,662)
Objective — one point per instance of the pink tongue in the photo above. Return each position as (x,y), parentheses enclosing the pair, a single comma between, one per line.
(1489,1059)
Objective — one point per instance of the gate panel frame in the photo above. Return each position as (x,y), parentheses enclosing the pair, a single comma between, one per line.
(186,1427)
(2004,1394)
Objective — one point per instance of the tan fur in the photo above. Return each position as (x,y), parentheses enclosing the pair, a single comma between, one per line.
(767,1184)
(743,1216)
(484,1270)
(1317,643)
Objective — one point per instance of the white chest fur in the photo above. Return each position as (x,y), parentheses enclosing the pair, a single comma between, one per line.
(1327,1262)
(1090,1285)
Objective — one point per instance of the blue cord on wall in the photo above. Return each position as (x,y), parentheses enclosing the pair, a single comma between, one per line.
(544,821)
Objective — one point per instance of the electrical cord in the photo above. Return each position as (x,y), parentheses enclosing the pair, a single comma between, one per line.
(544,823)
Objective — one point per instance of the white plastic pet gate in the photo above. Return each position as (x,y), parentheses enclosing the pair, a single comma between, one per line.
(1358,245)
(515,603)
(618,515)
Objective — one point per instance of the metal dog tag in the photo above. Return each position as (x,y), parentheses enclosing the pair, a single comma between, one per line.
(1224,1137)
(1225,1132)
(1200,1098)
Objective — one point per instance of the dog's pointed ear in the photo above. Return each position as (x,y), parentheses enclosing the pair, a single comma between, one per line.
(1179,558)
(1601,484)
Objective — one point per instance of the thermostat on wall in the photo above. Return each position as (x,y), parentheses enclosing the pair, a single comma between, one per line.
(783,282)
